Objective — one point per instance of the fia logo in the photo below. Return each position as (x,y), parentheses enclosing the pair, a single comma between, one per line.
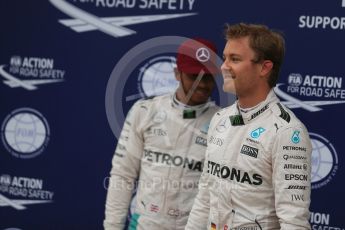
(25,133)
(324,161)
(257,132)
(295,137)
(30,72)
(157,77)
(295,79)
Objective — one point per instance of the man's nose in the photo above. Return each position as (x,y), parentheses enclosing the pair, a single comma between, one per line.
(203,82)
(224,66)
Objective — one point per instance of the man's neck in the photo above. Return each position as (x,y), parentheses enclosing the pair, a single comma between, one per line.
(249,101)
(181,97)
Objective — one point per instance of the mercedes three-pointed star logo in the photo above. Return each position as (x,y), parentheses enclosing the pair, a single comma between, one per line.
(202,54)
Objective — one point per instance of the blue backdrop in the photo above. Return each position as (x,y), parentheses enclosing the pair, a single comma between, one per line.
(71,69)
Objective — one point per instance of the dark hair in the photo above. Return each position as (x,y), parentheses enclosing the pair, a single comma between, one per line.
(266,43)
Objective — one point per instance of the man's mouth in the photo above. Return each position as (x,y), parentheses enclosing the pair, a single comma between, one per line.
(202,91)
(227,75)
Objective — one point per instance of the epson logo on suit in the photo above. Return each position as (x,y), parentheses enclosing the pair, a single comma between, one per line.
(250,151)
(300,177)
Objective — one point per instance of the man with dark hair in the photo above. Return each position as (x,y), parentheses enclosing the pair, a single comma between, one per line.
(258,159)
(163,145)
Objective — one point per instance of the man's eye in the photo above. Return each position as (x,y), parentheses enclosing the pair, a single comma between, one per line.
(192,77)
(235,59)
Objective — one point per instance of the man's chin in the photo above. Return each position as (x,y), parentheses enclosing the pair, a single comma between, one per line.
(200,99)
(201,94)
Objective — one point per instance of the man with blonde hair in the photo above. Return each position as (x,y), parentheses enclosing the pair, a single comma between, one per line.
(258,160)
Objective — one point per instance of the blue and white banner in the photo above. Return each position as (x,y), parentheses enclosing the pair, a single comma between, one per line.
(71,69)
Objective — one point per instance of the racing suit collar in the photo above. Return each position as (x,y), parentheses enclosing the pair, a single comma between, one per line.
(187,111)
(259,109)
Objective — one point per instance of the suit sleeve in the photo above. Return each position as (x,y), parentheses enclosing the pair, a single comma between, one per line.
(199,215)
(292,177)
(124,172)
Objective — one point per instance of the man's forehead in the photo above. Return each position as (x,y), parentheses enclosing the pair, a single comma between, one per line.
(197,75)
(234,46)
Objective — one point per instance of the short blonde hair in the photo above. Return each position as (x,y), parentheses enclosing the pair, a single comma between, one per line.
(266,43)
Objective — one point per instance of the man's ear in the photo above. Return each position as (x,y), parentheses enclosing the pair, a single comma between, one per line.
(177,74)
(266,68)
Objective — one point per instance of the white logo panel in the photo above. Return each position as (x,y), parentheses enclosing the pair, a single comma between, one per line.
(114,26)
(25,133)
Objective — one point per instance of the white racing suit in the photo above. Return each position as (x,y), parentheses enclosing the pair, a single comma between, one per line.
(162,144)
(257,171)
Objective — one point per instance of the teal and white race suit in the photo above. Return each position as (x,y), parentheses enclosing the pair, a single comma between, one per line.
(162,144)
(257,171)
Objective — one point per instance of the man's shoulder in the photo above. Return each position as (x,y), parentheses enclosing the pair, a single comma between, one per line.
(225,111)
(222,112)
(284,116)
(213,108)
(143,108)
(148,102)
